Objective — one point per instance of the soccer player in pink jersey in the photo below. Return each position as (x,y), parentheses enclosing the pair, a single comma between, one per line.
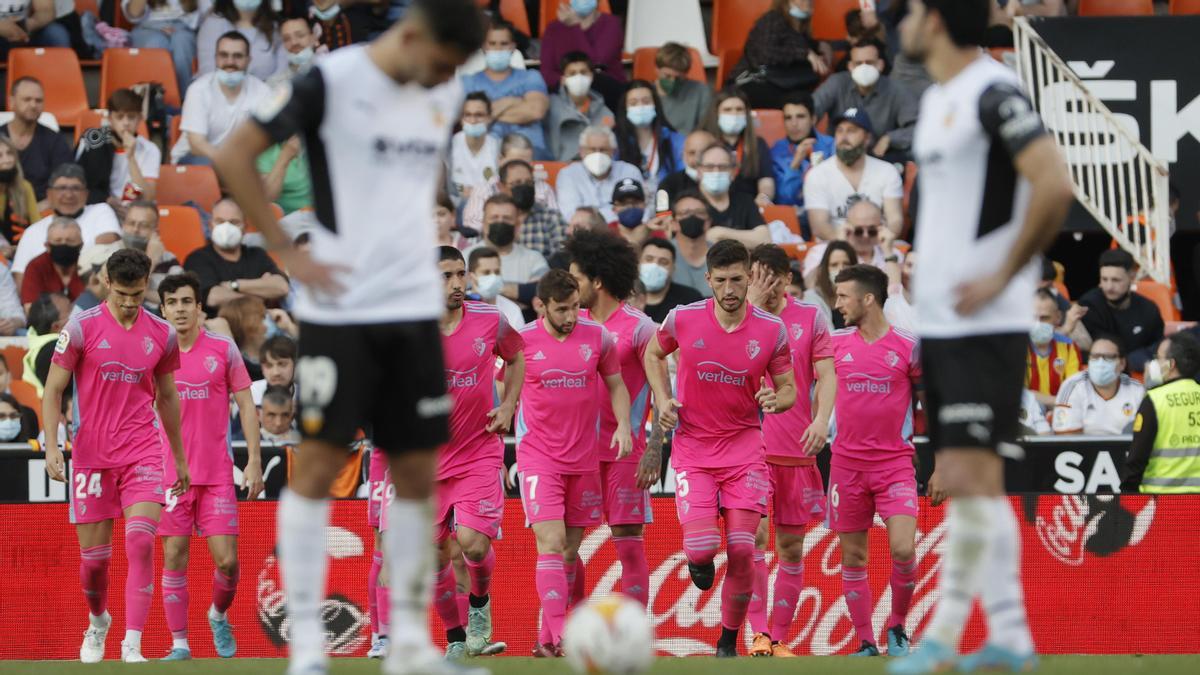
(211,371)
(727,351)
(878,368)
(377,595)
(123,360)
(557,430)
(606,266)
(792,439)
(470,473)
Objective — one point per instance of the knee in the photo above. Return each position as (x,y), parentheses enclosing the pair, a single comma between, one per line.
(227,565)
(762,537)
(903,551)
(476,550)
(553,545)
(791,550)
(175,560)
(853,556)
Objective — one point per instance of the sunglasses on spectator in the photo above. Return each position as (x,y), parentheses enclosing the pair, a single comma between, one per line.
(872,231)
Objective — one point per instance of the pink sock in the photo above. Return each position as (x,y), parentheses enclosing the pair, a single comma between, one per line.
(757,612)
(93,577)
(383,598)
(858,601)
(577,581)
(224,589)
(738,587)
(789,581)
(464,607)
(175,602)
(904,581)
(480,573)
(139,585)
(445,597)
(701,541)
(372,584)
(551,581)
(635,571)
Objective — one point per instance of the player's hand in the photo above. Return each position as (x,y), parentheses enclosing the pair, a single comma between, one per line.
(973,295)
(55,465)
(763,286)
(622,440)
(317,276)
(765,396)
(184,480)
(814,437)
(937,493)
(499,419)
(649,470)
(668,415)
(252,479)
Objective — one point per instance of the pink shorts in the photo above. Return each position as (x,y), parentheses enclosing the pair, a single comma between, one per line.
(797,495)
(474,500)
(575,499)
(624,502)
(703,493)
(103,494)
(376,487)
(208,510)
(856,496)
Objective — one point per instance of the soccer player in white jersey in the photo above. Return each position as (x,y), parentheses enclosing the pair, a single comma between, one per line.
(376,121)
(994,193)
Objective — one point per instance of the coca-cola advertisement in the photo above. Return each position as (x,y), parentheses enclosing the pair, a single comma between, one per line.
(1095,570)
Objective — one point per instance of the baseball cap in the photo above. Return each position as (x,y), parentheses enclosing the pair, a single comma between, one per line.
(628,188)
(94,257)
(856,116)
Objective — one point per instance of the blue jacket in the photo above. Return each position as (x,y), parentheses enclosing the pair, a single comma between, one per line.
(789,182)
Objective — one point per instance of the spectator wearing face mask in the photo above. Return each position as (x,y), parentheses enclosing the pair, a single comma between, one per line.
(1113,308)
(139,230)
(16,423)
(91,262)
(891,108)
(685,102)
(483,264)
(655,270)
(781,55)
(228,269)
(629,202)
(166,24)
(56,270)
(574,107)
(1102,400)
(336,28)
(257,22)
(501,231)
(803,148)
(541,229)
(513,146)
(473,151)
(645,137)
(67,194)
(300,45)
(18,203)
(519,101)
(687,178)
(581,26)
(691,219)
(734,215)
(729,121)
(590,180)
(1053,357)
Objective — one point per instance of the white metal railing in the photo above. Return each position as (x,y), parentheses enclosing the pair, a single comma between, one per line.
(1115,177)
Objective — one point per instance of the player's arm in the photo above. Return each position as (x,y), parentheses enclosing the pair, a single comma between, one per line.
(780,396)
(500,417)
(817,434)
(252,476)
(1007,116)
(665,405)
(56,384)
(1145,430)
(619,397)
(166,401)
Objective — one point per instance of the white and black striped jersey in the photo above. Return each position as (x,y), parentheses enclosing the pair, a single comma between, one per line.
(375,149)
(972,200)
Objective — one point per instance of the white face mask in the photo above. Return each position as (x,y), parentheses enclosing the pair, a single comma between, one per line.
(9,429)
(1101,372)
(597,164)
(1156,373)
(226,235)
(1041,333)
(578,85)
(865,75)
(489,285)
(731,123)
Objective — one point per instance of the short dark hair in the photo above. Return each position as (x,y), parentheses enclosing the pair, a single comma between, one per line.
(1113,338)
(727,253)
(605,256)
(1184,350)
(799,98)
(499,24)
(449,254)
(22,80)
(1117,257)
(172,283)
(771,257)
(508,166)
(557,286)
(481,97)
(124,101)
(966,20)
(234,35)
(498,198)
(277,394)
(280,347)
(688,194)
(878,45)
(67,170)
(664,244)
(43,313)
(479,254)
(674,56)
(128,266)
(870,279)
(575,57)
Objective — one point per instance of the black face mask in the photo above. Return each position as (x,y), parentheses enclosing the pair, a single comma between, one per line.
(8,175)
(502,234)
(64,255)
(523,196)
(692,227)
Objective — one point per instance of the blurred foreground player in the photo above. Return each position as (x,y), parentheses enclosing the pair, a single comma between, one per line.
(123,359)
(376,122)
(994,193)
(211,370)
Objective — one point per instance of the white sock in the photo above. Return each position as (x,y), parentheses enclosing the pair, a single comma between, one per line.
(962,567)
(102,621)
(133,639)
(1003,596)
(213,613)
(410,562)
(302,560)
(180,643)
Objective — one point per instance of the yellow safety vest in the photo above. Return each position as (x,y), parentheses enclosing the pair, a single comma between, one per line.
(34,345)
(1174,465)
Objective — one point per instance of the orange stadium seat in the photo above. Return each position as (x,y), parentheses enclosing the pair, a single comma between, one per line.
(829,19)
(549,12)
(1161,296)
(768,124)
(180,230)
(1181,7)
(551,169)
(180,184)
(645,69)
(57,68)
(786,214)
(14,356)
(513,11)
(1116,7)
(732,21)
(727,60)
(26,394)
(123,68)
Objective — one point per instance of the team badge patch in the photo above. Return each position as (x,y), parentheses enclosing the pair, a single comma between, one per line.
(480,346)
(147,345)
(64,340)
(752,348)
(585,352)
(797,331)
(892,358)
(210,363)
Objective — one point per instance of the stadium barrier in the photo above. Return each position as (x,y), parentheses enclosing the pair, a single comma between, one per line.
(1097,572)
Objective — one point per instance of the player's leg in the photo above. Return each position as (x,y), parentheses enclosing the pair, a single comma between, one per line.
(696,508)
(462,582)
(409,550)
(757,613)
(789,582)
(223,549)
(740,527)
(95,553)
(573,564)
(479,558)
(175,596)
(141,529)
(902,535)
(626,510)
(378,641)
(852,511)
(445,595)
(551,578)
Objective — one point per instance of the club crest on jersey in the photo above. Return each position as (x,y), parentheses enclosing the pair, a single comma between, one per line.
(752,348)
(64,339)
(585,352)
(147,345)
(1059,365)
(892,358)
(479,346)
(210,363)
(797,331)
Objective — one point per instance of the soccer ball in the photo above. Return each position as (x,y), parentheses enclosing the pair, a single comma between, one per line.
(610,635)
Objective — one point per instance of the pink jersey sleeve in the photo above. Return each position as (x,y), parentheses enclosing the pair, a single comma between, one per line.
(508,341)
(666,334)
(914,364)
(822,345)
(781,357)
(69,347)
(610,360)
(235,369)
(641,336)
(169,362)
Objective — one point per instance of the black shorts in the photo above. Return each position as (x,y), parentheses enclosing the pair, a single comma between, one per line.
(386,377)
(973,388)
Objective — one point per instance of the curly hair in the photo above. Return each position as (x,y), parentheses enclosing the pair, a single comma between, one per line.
(605,256)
